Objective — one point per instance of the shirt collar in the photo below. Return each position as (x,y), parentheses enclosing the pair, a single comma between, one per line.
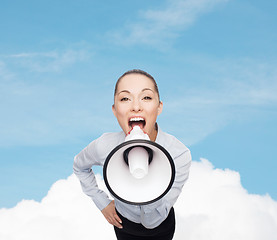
(158,138)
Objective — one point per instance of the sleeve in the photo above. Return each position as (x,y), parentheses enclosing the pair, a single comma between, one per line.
(160,209)
(82,169)
(182,166)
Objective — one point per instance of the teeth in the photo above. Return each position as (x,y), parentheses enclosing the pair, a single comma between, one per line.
(136,119)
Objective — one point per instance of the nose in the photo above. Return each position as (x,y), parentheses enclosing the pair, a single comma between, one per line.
(136,106)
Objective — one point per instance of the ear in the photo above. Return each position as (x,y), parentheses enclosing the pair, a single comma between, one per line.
(114,110)
(160,108)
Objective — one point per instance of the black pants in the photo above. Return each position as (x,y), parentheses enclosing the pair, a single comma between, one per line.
(135,231)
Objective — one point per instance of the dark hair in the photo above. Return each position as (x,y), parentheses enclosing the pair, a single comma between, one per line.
(138,71)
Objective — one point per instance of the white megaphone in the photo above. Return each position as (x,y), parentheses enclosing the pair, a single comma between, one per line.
(139,171)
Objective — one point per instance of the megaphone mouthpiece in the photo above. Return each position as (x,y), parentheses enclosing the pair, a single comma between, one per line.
(136,133)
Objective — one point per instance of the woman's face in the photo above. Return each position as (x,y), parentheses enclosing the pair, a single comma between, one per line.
(136,102)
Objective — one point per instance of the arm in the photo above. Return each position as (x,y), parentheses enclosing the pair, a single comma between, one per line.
(82,169)
(111,215)
(182,166)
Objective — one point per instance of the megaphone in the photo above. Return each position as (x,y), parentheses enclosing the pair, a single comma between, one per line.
(138,171)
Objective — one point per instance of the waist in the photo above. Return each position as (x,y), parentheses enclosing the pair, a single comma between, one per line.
(138,229)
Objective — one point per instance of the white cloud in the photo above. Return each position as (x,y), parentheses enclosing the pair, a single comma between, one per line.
(213,205)
(157,26)
(65,213)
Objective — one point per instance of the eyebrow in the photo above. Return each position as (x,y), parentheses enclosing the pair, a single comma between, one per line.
(126,91)
(145,89)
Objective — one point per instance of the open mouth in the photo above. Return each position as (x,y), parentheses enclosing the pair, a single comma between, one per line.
(137,121)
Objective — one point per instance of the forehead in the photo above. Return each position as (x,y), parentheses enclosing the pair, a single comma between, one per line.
(135,81)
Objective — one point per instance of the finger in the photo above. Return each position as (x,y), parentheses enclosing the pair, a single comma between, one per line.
(118,225)
(114,222)
(117,222)
(117,218)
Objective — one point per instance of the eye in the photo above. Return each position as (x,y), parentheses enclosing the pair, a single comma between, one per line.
(124,99)
(147,98)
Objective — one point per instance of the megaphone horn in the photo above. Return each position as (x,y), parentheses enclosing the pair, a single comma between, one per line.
(139,171)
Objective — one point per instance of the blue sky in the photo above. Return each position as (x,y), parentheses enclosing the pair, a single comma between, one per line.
(214,61)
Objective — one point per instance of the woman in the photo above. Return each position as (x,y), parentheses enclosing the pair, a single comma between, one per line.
(136,102)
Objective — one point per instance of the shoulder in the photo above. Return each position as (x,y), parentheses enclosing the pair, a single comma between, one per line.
(106,143)
(174,146)
(111,138)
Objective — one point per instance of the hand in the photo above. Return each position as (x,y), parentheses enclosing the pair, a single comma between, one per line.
(111,215)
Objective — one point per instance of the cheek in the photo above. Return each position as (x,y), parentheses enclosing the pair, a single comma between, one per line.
(120,112)
(153,112)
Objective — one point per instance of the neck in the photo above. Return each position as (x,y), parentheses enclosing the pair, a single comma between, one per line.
(154,133)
